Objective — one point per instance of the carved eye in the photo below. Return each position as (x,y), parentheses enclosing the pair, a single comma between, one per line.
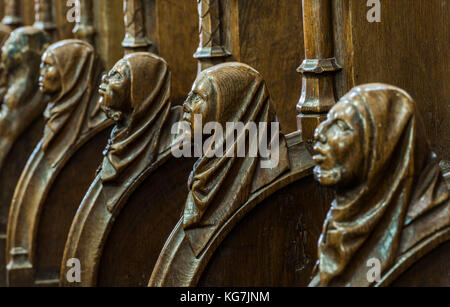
(342,125)
(116,76)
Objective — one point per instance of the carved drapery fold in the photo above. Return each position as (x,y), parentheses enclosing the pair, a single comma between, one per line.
(318,67)
(13,17)
(211,50)
(135,33)
(44,17)
(84,29)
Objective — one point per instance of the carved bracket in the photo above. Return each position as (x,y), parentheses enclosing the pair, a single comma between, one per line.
(317,69)
(135,33)
(210,50)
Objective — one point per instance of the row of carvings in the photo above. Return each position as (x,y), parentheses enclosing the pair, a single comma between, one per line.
(391,198)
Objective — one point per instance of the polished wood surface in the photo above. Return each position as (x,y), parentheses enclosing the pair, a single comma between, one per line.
(74,130)
(307,56)
(131,192)
(409,55)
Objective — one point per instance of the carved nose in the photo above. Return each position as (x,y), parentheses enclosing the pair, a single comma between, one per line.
(322,138)
(319,136)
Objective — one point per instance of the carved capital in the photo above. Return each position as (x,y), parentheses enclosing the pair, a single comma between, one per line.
(210,50)
(13,17)
(84,29)
(135,33)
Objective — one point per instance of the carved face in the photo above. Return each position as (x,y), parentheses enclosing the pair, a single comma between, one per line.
(196,104)
(338,147)
(115,91)
(49,79)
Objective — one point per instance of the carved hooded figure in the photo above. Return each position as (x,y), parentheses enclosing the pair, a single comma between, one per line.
(73,107)
(136,96)
(389,184)
(220,184)
(22,102)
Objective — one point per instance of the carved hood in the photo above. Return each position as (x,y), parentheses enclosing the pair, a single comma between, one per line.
(218,186)
(67,115)
(150,105)
(402,181)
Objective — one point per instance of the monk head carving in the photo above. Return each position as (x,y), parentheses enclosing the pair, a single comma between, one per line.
(24,45)
(70,72)
(372,147)
(135,94)
(20,58)
(115,91)
(338,146)
(50,78)
(220,184)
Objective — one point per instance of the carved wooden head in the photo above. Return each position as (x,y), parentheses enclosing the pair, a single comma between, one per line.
(115,91)
(131,86)
(24,46)
(373,149)
(70,72)
(67,67)
(339,147)
(219,185)
(135,94)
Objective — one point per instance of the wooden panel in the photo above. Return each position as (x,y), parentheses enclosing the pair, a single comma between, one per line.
(140,231)
(176,39)
(61,204)
(276,244)
(408,48)
(9,175)
(268,35)
(108,24)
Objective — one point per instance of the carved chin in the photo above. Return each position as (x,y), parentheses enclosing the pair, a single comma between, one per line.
(328,177)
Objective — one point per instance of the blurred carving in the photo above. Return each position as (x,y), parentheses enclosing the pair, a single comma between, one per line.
(21,100)
(391,198)
(21,107)
(211,50)
(136,95)
(70,72)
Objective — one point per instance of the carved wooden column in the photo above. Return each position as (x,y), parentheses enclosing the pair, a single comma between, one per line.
(211,50)
(85,29)
(317,69)
(44,17)
(135,34)
(13,17)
